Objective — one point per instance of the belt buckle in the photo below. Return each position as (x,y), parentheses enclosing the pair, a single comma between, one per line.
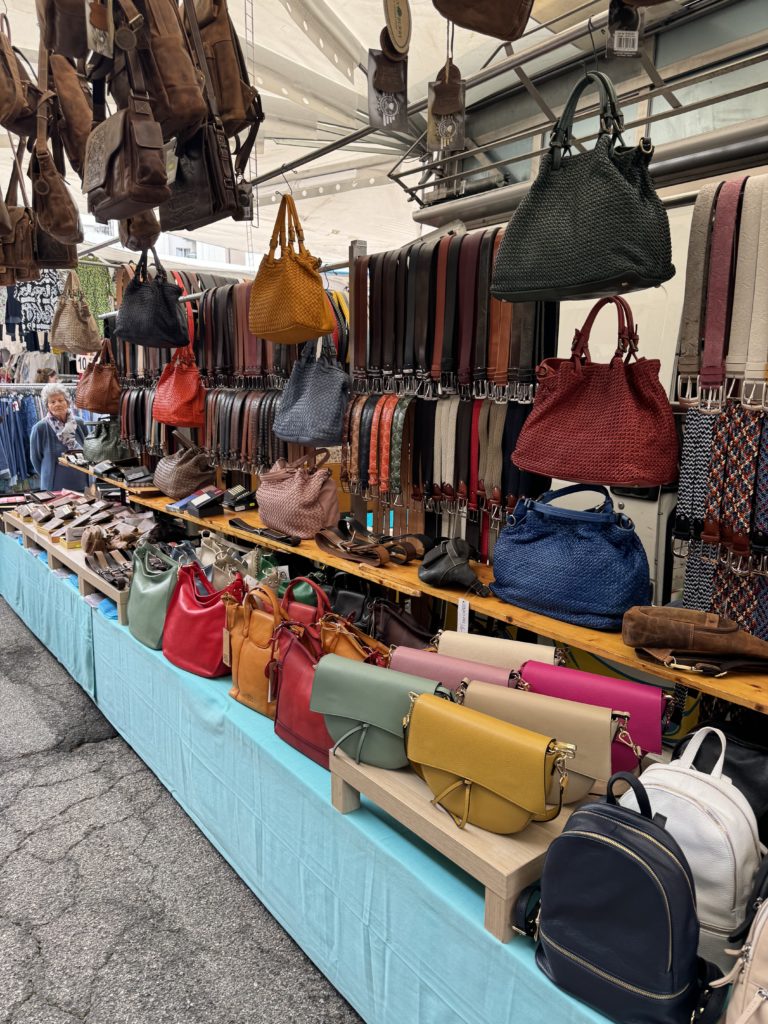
(501,395)
(711,399)
(388,384)
(749,392)
(461,507)
(740,565)
(680,547)
(525,394)
(480,389)
(688,389)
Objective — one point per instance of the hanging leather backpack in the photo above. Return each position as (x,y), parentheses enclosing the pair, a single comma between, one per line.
(591,223)
(124,171)
(502,20)
(62,27)
(598,423)
(19,93)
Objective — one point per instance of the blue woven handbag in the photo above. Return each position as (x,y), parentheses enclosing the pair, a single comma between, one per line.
(587,568)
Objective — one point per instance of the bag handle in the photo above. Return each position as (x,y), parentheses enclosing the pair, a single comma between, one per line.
(323,604)
(549,496)
(143,553)
(263,595)
(637,788)
(611,117)
(310,459)
(627,336)
(694,746)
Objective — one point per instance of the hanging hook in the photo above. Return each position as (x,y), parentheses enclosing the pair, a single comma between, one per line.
(594,47)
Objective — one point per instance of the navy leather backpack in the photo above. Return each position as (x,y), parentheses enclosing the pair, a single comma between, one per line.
(617,925)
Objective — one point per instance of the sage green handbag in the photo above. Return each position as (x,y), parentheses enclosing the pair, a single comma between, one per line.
(152,586)
(364,707)
(104,444)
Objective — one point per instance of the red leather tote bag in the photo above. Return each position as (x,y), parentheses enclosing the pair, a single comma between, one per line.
(195,623)
(598,423)
(292,672)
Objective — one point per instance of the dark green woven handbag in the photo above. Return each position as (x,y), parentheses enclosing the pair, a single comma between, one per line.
(591,224)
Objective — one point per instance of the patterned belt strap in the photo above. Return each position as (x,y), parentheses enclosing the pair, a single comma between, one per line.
(698,432)
(398,439)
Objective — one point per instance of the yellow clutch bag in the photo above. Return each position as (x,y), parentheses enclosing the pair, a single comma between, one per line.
(481,770)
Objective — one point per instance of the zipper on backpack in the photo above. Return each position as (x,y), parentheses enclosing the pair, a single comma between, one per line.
(609,977)
(630,853)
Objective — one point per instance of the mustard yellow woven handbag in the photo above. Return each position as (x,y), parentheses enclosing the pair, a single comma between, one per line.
(288,301)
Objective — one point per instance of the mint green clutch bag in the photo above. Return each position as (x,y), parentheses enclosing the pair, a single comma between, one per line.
(364,707)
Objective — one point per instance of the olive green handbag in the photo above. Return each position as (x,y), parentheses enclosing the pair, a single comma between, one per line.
(152,586)
(364,707)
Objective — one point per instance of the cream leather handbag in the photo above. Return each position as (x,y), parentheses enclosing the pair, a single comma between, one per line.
(591,730)
(493,650)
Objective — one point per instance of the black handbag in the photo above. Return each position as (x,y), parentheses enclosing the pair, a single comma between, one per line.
(746,764)
(350,597)
(396,628)
(591,224)
(150,313)
(447,565)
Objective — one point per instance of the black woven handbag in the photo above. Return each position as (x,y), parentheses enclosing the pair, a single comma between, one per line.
(312,406)
(150,313)
(591,224)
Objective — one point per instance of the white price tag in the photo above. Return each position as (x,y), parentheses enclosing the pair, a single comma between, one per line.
(462,621)
(283,574)
(80,363)
(626,43)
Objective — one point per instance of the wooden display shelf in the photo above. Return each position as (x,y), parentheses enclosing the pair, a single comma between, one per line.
(505,865)
(748,690)
(110,480)
(88,582)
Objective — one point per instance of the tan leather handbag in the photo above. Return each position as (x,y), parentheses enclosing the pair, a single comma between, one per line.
(18,243)
(98,390)
(288,301)
(251,627)
(483,771)
(299,498)
(340,636)
(503,20)
(591,730)
(74,328)
(11,91)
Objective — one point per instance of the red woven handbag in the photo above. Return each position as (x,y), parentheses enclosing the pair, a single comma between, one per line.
(180,396)
(195,623)
(292,672)
(597,423)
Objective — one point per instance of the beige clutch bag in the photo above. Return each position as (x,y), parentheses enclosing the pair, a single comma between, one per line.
(590,729)
(492,650)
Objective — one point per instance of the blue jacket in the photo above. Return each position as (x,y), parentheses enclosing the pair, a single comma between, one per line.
(45,450)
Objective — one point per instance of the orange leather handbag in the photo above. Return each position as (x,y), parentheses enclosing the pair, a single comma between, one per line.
(251,629)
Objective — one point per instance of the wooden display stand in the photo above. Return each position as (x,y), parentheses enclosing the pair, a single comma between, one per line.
(505,865)
(59,557)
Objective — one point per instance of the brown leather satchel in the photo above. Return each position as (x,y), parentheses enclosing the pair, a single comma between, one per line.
(694,641)
(75,109)
(18,245)
(505,20)
(125,172)
(62,27)
(98,390)
(140,232)
(54,207)
(238,101)
(163,54)
(11,91)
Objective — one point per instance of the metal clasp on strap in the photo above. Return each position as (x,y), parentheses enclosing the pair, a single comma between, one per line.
(711,399)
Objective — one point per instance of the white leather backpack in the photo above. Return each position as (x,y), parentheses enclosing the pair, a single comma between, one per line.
(717,831)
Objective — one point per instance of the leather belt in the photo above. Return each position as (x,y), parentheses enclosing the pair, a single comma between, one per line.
(719,294)
(426,259)
(753,393)
(482,323)
(499,340)
(388,318)
(401,291)
(463,436)
(468,287)
(360,322)
(366,423)
(522,351)
(373,450)
(399,442)
(441,300)
(409,349)
(376,266)
(689,339)
(354,434)
(385,446)
(473,514)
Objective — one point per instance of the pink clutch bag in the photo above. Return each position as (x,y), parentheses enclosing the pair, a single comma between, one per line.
(643,702)
(448,671)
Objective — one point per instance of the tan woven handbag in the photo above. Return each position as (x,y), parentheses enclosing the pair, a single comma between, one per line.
(74,328)
(288,301)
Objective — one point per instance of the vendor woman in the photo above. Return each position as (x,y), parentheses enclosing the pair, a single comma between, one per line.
(57,433)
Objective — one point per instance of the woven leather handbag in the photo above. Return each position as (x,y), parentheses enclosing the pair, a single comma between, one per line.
(598,423)
(98,389)
(74,328)
(184,472)
(288,301)
(299,498)
(150,313)
(104,443)
(198,611)
(505,20)
(591,224)
(180,395)
(587,568)
(312,407)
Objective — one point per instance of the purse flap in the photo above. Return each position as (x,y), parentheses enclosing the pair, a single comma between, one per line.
(148,134)
(103,143)
(365,693)
(643,701)
(450,671)
(507,760)
(590,729)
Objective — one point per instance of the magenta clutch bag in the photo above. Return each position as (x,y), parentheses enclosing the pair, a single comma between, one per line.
(448,671)
(643,702)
